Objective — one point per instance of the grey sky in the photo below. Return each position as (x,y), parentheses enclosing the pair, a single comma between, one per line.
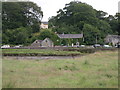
(50,7)
(119,7)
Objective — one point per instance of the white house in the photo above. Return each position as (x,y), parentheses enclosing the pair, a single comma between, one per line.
(44,25)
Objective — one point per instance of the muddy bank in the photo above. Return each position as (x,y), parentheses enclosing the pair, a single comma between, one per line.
(41,57)
(90,50)
(76,52)
(37,54)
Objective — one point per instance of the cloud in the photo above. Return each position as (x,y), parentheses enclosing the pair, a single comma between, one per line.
(119,7)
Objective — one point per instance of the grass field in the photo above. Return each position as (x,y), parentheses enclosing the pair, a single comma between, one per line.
(98,70)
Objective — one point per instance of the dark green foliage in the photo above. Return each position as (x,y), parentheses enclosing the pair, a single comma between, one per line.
(72,18)
(114,22)
(19,21)
(16,36)
(78,17)
(17,14)
(90,32)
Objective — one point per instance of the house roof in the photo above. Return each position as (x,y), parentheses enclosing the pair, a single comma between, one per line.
(70,35)
(43,40)
(110,38)
(45,23)
(38,41)
(49,40)
(114,36)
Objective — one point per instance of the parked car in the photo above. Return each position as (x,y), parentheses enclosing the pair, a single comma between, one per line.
(18,46)
(90,46)
(5,46)
(97,45)
(107,46)
(117,46)
(82,45)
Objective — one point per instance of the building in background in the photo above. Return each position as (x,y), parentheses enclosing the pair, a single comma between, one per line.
(112,39)
(44,25)
(47,43)
(71,36)
(43,43)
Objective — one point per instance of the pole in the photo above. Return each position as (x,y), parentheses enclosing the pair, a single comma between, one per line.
(96,39)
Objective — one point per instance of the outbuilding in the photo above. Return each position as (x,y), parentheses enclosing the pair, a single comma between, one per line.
(113,39)
(71,36)
(43,43)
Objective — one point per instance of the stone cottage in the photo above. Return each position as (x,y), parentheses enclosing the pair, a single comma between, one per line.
(113,39)
(43,43)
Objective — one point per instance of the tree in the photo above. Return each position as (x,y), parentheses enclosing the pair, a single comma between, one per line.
(21,35)
(114,22)
(20,14)
(16,36)
(91,34)
(118,19)
(20,20)
(101,14)
(104,27)
(72,17)
(77,16)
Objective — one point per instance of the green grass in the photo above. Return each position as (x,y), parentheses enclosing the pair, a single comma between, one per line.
(98,70)
(38,51)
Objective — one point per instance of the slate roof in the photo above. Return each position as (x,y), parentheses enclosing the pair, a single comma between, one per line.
(114,36)
(43,40)
(38,41)
(48,39)
(70,35)
(45,23)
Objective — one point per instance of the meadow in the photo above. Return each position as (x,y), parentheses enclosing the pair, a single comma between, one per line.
(97,70)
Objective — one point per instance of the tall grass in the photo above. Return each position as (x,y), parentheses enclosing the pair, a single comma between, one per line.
(98,70)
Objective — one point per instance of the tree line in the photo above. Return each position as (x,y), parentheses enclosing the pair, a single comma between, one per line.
(21,23)
(77,17)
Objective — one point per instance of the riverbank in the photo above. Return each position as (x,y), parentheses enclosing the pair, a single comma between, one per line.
(53,52)
(38,52)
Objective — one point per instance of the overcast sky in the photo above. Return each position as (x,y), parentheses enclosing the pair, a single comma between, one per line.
(50,7)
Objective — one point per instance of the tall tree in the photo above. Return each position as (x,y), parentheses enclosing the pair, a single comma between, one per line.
(91,34)
(19,21)
(77,17)
(17,14)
